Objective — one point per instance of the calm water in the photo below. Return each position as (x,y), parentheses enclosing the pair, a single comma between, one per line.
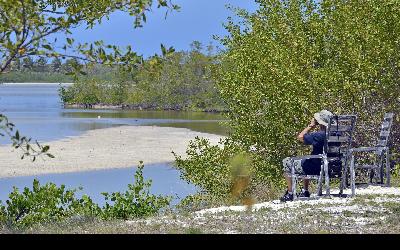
(37,112)
(165,181)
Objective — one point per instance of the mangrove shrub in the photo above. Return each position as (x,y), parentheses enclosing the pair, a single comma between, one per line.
(292,58)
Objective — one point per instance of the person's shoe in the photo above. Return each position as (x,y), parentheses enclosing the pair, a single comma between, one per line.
(304,193)
(287,197)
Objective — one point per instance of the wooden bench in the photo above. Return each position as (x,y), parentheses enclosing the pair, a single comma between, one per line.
(381,159)
(335,156)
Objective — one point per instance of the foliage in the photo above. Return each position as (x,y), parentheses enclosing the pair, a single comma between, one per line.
(173,80)
(396,174)
(49,203)
(224,171)
(293,58)
(31,76)
(26,27)
(207,166)
(41,204)
(180,79)
(135,202)
(287,61)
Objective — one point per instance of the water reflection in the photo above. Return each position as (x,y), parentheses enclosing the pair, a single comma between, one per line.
(38,113)
(169,115)
(204,127)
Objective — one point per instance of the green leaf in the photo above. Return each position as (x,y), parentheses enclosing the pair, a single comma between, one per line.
(50,155)
(45,148)
(70,40)
(48,47)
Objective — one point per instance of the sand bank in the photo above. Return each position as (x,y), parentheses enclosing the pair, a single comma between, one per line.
(108,148)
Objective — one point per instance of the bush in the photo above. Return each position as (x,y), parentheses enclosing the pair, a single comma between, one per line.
(293,58)
(224,172)
(42,204)
(207,166)
(49,204)
(135,202)
(287,61)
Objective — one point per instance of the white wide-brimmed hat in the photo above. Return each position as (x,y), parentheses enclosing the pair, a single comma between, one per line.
(322,117)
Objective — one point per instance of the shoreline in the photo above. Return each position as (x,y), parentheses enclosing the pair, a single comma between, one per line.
(100,106)
(85,171)
(138,107)
(109,148)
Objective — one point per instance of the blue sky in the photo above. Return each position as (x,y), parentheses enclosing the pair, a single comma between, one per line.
(197,20)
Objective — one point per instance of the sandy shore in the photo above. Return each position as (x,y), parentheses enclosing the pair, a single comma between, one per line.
(108,148)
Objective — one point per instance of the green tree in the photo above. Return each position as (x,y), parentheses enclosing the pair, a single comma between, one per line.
(16,65)
(56,65)
(70,65)
(196,46)
(41,64)
(289,60)
(292,58)
(180,80)
(25,27)
(27,63)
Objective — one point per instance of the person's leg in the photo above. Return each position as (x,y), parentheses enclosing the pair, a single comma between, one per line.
(288,196)
(306,184)
(289,183)
(287,169)
(310,167)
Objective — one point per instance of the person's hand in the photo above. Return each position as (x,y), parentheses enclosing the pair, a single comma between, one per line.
(313,123)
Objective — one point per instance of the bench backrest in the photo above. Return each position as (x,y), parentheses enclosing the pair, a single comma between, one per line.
(385,130)
(339,138)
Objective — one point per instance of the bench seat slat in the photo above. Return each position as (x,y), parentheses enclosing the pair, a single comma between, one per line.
(338,139)
(365,166)
(384,133)
(341,128)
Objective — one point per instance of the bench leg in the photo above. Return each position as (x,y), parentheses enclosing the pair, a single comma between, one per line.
(341,186)
(294,183)
(346,179)
(328,191)
(387,168)
(319,187)
(343,179)
(352,177)
(381,168)
(294,180)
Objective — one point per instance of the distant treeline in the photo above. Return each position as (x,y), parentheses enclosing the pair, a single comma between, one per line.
(42,70)
(173,81)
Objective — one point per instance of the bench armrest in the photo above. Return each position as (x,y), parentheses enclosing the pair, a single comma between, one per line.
(305,157)
(366,149)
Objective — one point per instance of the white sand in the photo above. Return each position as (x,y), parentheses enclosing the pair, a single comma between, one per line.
(116,147)
(335,201)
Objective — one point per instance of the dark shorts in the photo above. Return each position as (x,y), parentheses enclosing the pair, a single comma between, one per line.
(302,167)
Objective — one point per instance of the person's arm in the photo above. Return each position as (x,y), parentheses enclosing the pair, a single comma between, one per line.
(312,124)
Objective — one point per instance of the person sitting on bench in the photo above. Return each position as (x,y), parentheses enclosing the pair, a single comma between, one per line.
(307,166)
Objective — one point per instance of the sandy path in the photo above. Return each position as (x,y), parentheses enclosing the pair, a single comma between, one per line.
(116,147)
(333,203)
